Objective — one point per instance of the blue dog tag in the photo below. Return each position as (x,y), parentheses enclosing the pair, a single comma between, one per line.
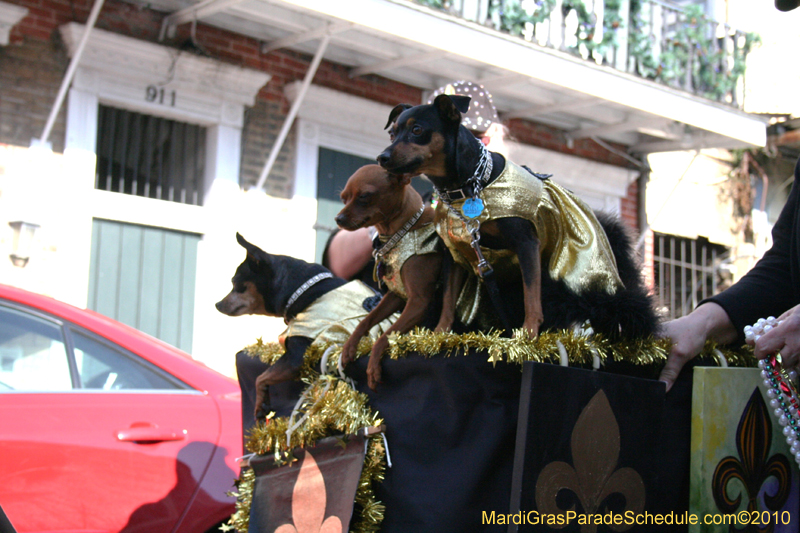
(473,207)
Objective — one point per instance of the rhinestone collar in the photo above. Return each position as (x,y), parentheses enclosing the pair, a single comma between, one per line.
(303,288)
(379,253)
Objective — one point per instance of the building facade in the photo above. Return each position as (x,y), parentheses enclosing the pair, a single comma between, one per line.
(185,123)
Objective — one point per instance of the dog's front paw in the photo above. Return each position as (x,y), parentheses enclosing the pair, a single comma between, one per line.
(444,326)
(531,327)
(374,365)
(374,372)
(350,350)
(278,373)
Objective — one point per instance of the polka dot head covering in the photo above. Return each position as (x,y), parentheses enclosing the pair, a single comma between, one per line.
(481,114)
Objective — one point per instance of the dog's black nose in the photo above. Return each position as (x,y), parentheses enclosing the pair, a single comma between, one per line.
(339,220)
(383,157)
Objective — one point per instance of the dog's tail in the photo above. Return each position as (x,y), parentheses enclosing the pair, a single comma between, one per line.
(634,313)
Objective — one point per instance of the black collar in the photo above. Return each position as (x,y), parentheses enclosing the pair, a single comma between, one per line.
(295,297)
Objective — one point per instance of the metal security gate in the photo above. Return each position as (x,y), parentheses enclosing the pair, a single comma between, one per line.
(145,277)
(150,156)
(686,271)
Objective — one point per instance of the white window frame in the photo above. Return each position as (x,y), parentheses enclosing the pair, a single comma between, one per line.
(338,121)
(117,70)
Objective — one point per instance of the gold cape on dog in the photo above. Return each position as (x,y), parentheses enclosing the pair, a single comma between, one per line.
(420,241)
(334,315)
(574,247)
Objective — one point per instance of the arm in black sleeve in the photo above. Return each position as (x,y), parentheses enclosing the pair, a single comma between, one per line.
(768,288)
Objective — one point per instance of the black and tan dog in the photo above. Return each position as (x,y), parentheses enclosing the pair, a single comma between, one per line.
(572,265)
(316,306)
(409,256)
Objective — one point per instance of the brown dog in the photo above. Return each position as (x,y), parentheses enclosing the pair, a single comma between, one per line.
(409,261)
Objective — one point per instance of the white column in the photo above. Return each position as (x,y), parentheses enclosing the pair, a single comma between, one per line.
(82,110)
(218,254)
(61,181)
(223,156)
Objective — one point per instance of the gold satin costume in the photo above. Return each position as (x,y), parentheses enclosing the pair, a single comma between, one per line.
(423,240)
(573,246)
(332,317)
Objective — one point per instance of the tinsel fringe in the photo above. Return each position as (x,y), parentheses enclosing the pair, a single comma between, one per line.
(240,519)
(520,349)
(331,407)
(268,352)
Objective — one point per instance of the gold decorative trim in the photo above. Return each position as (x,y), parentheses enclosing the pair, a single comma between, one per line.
(331,406)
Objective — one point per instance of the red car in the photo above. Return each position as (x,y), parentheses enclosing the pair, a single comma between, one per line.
(104,428)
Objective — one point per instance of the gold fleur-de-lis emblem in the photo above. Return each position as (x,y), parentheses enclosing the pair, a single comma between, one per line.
(595,446)
(753,467)
(308,502)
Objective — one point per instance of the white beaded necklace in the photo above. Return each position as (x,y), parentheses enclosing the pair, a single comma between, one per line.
(780,383)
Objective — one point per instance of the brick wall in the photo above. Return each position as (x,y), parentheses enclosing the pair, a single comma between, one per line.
(629,206)
(30,75)
(32,66)
(262,123)
(629,212)
(528,132)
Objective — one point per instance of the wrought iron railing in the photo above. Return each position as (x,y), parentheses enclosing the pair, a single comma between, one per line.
(686,271)
(677,46)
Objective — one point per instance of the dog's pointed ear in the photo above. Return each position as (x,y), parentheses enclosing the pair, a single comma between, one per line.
(461,102)
(399,108)
(450,107)
(254,253)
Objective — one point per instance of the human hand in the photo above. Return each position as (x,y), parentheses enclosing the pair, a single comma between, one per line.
(784,337)
(688,338)
(689,334)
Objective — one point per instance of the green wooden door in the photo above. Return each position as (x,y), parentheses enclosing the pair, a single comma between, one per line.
(333,170)
(145,277)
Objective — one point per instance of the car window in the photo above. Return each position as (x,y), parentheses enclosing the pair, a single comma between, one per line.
(102,367)
(33,356)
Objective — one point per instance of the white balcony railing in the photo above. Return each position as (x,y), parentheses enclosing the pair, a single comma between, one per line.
(676,46)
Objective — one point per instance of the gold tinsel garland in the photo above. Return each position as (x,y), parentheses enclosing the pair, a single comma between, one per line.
(331,407)
(267,352)
(240,519)
(522,348)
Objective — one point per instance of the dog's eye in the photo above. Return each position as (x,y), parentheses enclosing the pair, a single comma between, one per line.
(416,129)
(364,199)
